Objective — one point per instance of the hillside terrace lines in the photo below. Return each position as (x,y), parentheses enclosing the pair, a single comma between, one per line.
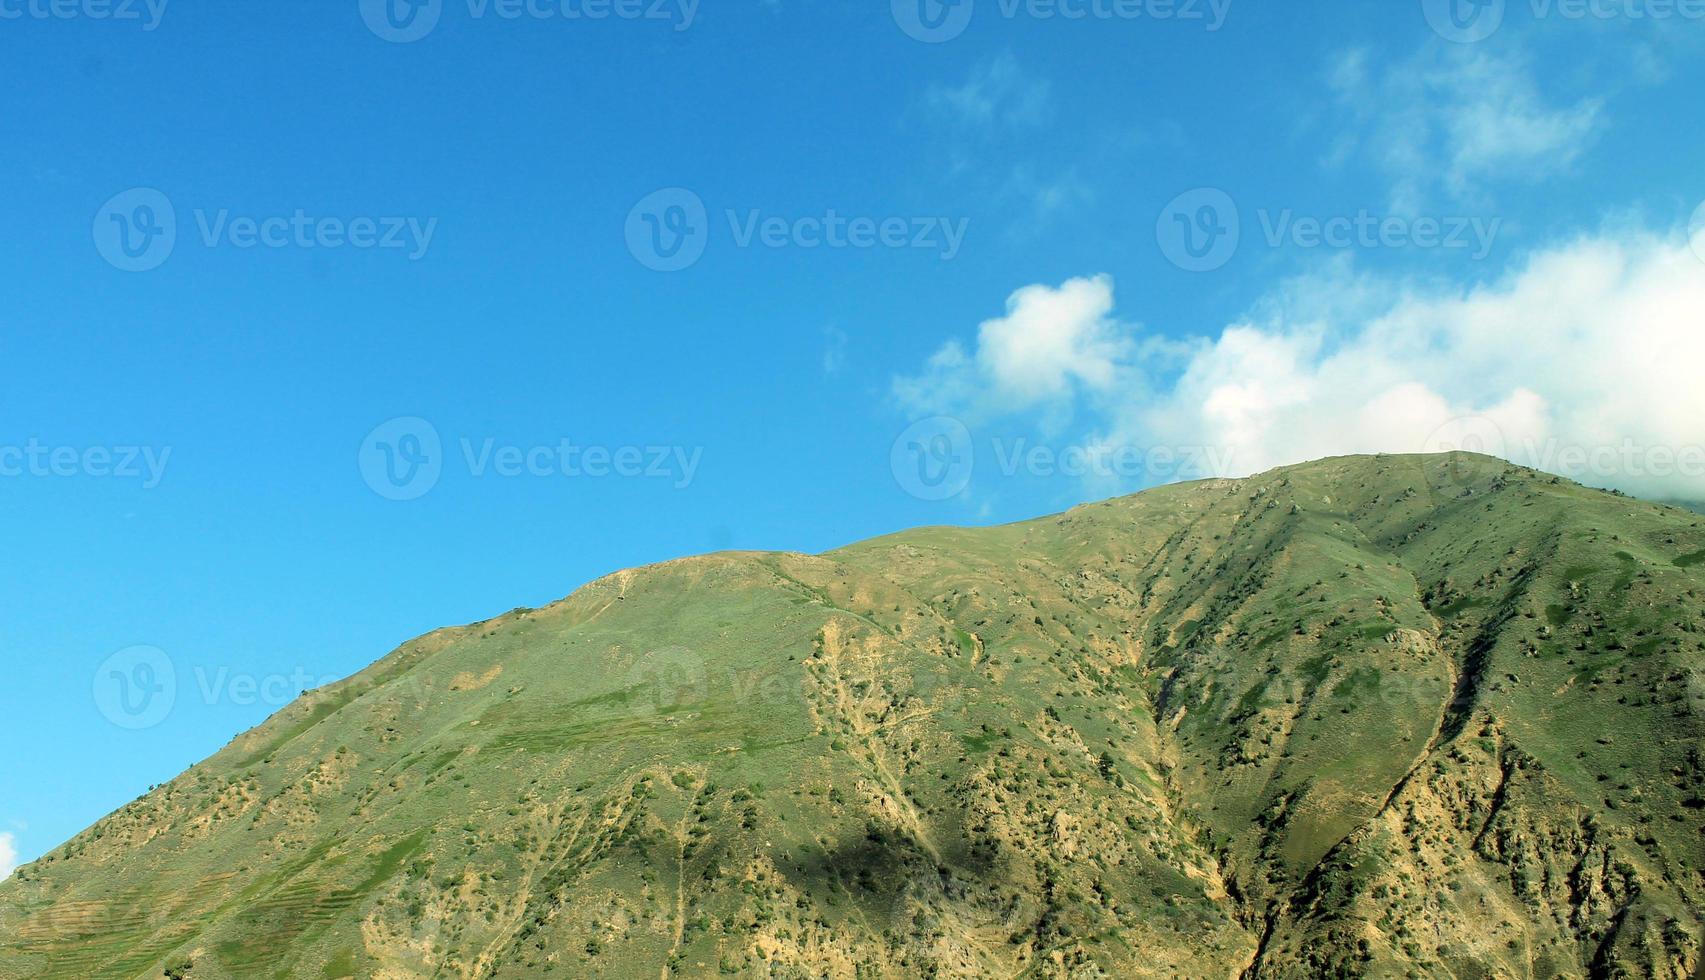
(539,865)
(683,843)
(593,833)
(867,738)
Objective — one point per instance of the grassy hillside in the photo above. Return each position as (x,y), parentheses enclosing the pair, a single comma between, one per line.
(1387,716)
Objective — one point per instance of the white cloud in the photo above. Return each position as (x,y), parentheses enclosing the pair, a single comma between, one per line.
(1452,119)
(1052,343)
(1584,361)
(997,92)
(8,855)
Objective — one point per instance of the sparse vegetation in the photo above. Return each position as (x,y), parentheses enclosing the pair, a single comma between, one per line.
(1325,721)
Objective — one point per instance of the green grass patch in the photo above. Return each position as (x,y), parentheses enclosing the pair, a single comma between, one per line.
(1358,682)
(967,642)
(1457,607)
(1315,669)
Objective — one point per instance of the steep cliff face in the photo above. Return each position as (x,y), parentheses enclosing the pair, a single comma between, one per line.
(1389,716)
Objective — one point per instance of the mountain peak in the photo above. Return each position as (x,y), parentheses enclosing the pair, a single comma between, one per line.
(1370,714)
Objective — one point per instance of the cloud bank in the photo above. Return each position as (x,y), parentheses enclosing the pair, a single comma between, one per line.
(1449,119)
(1584,361)
(8,855)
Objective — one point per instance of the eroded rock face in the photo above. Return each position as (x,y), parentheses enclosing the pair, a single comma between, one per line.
(1329,721)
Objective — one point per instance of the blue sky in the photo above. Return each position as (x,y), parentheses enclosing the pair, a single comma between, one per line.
(325,327)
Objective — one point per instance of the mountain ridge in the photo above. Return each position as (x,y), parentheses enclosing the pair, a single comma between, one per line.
(1356,716)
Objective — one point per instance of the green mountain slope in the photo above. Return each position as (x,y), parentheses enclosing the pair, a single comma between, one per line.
(1389,716)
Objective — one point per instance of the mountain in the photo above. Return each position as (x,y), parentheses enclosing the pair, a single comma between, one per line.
(1431,716)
